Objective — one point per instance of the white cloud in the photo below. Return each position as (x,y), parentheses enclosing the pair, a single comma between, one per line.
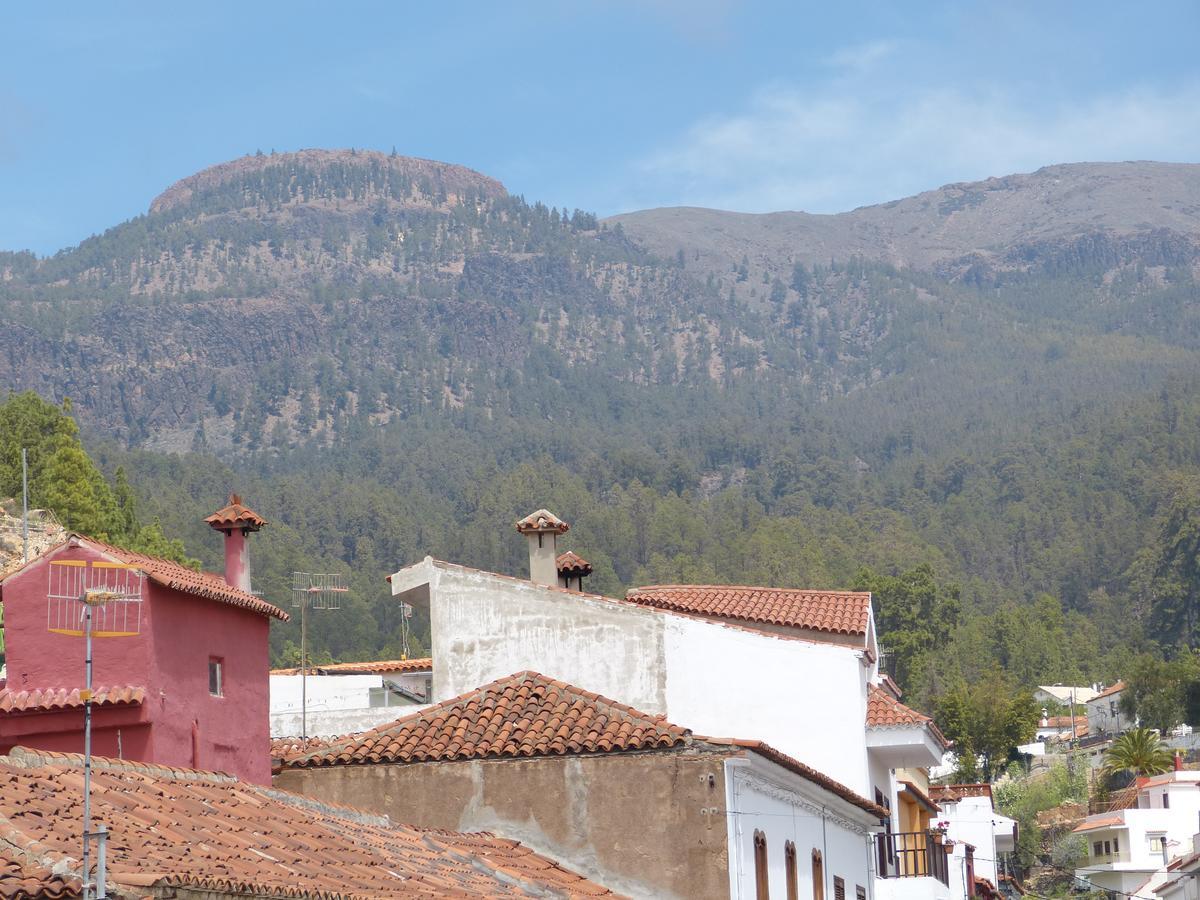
(862,57)
(836,147)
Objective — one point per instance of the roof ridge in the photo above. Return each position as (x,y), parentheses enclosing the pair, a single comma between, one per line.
(20,757)
(748,587)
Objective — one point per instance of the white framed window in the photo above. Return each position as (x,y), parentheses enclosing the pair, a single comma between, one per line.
(216,676)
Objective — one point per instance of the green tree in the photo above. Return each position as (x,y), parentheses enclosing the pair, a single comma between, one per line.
(1140,751)
(1155,693)
(914,613)
(986,720)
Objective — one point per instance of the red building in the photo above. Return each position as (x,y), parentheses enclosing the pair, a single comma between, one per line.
(187,688)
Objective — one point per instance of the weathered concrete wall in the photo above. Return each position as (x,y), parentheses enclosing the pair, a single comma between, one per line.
(484,628)
(641,824)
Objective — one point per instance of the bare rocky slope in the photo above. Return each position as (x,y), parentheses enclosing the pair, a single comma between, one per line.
(1131,208)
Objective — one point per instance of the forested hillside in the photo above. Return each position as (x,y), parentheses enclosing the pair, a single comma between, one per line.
(391,357)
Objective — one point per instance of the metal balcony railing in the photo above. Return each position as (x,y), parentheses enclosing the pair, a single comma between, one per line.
(913,854)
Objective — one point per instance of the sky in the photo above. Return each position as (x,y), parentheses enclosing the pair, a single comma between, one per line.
(607,106)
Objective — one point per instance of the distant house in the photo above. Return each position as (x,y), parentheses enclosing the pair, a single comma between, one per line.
(1061,728)
(1127,846)
(177,833)
(628,799)
(1104,712)
(1067,695)
(343,698)
(186,686)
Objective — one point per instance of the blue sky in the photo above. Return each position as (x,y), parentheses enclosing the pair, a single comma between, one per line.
(607,106)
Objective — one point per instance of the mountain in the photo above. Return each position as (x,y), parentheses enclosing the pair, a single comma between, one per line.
(393,357)
(1127,210)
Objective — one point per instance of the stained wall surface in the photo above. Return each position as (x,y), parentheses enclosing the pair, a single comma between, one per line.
(643,824)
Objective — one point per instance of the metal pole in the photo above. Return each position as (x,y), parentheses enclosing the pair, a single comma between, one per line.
(25,504)
(304,665)
(101,862)
(87,743)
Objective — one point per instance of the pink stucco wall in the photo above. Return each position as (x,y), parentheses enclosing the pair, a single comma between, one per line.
(185,725)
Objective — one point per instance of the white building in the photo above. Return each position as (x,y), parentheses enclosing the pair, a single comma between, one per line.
(792,668)
(1181,881)
(1127,846)
(345,698)
(1104,712)
(981,836)
(1068,695)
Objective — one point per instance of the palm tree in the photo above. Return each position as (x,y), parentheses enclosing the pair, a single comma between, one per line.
(1139,751)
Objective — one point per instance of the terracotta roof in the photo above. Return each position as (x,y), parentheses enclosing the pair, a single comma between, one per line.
(1092,823)
(54,699)
(523,715)
(541,520)
(1061,722)
(807,772)
(180,578)
(212,832)
(235,515)
(22,877)
(1109,691)
(364,668)
(885,711)
(835,612)
(951,793)
(569,563)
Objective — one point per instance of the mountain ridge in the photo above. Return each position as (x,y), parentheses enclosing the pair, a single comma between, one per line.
(981,220)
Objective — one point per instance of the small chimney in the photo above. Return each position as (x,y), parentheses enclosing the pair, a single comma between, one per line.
(236,521)
(1178,761)
(541,530)
(572,569)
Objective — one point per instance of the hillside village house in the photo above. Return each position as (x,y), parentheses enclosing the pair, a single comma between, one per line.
(1104,712)
(186,687)
(631,800)
(1127,846)
(344,698)
(792,668)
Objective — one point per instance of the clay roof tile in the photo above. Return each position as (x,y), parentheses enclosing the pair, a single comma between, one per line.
(542,520)
(525,714)
(835,612)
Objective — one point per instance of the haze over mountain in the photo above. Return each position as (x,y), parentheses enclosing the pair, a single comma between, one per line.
(395,356)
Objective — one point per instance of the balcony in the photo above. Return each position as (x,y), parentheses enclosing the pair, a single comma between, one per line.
(912,854)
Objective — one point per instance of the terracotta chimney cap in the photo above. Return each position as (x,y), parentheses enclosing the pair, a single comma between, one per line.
(542,521)
(235,515)
(569,563)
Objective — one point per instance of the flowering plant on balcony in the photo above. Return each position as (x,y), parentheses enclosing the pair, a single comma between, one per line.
(940,827)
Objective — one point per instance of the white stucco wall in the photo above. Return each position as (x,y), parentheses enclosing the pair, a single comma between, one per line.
(765,797)
(806,699)
(973,821)
(336,705)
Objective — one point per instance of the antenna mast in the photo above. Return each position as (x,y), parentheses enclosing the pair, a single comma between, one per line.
(318,590)
(111,596)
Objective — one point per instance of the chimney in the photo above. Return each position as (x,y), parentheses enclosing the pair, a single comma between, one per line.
(1178,761)
(541,530)
(236,521)
(572,569)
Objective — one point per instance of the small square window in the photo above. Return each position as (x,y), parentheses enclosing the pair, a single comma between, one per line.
(216,681)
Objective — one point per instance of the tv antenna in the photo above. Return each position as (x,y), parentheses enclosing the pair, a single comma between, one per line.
(316,591)
(406,612)
(109,595)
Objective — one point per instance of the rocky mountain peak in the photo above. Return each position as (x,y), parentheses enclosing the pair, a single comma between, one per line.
(451,180)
